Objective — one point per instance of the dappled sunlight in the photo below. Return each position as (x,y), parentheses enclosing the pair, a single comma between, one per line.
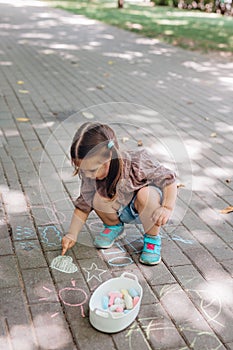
(43,125)
(227,82)
(225,109)
(67,176)
(228,159)
(196,148)
(6,63)
(22,337)
(80,20)
(20,3)
(193,14)
(171,22)
(131,25)
(14,201)
(105,36)
(138,73)
(11,132)
(60,46)
(217,172)
(45,15)
(219,290)
(48,23)
(163,51)
(202,183)
(218,70)
(35,35)
(215,98)
(127,55)
(51,333)
(146,41)
(173,297)
(215,302)
(211,216)
(200,67)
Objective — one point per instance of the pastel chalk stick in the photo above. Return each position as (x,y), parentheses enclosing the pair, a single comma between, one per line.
(105,300)
(135,300)
(133,293)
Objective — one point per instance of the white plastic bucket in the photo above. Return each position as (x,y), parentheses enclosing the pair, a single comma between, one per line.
(112,322)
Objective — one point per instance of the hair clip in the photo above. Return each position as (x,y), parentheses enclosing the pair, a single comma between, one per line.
(110,144)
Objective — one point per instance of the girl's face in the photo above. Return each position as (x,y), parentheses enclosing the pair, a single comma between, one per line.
(95,167)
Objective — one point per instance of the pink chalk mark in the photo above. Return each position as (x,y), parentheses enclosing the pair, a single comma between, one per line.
(82,311)
(69,304)
(49,290)
(73,283)
(43,299)
(54,314)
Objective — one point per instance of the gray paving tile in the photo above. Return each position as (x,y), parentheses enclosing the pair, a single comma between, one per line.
(61,76)
(39,286)
(9,276)
(160,331)
(51,328)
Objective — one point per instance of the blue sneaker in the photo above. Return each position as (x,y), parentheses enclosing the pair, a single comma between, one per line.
(151,250)
(109,235)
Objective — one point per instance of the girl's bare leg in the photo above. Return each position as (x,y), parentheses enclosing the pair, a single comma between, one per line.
(146,202)
(106,210)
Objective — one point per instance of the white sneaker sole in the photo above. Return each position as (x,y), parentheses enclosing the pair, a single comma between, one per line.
(122,235)
(150,263)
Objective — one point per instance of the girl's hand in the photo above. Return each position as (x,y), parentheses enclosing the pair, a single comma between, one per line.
(67,243)
(161,216)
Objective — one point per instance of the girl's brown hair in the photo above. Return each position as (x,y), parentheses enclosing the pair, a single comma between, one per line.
(92,139)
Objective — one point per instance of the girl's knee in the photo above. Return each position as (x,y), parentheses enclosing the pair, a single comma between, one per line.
(146,196)
(98,202)
(102,204)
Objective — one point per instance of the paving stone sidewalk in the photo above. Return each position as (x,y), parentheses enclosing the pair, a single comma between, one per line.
(59,70)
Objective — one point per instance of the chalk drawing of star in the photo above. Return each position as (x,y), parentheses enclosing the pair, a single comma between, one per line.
(94,272)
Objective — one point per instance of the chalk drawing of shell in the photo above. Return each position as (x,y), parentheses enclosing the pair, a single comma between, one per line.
(64,264)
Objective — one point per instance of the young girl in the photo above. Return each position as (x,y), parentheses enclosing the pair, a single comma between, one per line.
(121,187)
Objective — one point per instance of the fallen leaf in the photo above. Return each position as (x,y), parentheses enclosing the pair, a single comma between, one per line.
(180,185)
(125,139)
(24,91)
(101,86)
(227,210)
(20,82)
(140,143)
(206,118)
(22,119)
(106,75)
(88,115)
(110,62)
(228,181)
(213,134)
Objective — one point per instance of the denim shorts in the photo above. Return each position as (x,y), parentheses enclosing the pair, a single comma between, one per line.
(129,214)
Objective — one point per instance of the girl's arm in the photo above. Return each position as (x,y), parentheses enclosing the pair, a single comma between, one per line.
(78,220)
(169,196)
(163,213)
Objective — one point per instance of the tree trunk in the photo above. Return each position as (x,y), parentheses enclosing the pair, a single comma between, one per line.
(120,4)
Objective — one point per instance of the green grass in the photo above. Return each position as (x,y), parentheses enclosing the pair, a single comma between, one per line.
(193,30)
